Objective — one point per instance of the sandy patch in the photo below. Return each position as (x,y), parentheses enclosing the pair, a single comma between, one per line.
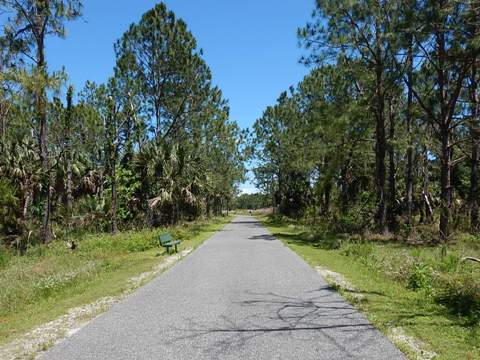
(416,347)
(338,281)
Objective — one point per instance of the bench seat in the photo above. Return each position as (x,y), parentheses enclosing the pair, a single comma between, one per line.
(167,241)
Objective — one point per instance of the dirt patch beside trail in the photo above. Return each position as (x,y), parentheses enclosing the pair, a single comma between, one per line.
(414,346)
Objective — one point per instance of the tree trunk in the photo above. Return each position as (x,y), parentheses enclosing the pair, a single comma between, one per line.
(475,135)
(409,177)
(3,127)
(391,167)
(111,160)
(344,190)
(475,151)
(114,198)
(69,190)
(68,156)
(381,143)
(41,105)
(427,204)
(445,133)
(327,191)
(28,198)
(381,146)
(445,185)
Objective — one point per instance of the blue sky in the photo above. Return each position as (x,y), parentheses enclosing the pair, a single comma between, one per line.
(250,45)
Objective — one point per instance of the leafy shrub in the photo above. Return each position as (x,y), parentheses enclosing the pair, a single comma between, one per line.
(461,293)
(135,243)
(324,240)
(358,217)
(351,222)
(449,263)
(124,242)
(469,241)
(420,277)
(358,250)
(4,256)
(8,204)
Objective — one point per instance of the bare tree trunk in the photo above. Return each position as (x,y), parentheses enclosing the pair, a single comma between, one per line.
(391,167)
(474,182)
(445,138)
(113,181)
(475,151)
(41,104)
(326,197)
(409,178)
(68,155)
(28,198)
(111,160)
(381,143)
(445,184)
(207,207)
(344,190)
(3,126)
(427,204)
(69,189)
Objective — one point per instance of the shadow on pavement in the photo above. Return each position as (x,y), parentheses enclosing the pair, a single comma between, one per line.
(248,223)
(323,317)
(265,237)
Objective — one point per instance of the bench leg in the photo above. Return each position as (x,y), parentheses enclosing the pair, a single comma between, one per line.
(176,248)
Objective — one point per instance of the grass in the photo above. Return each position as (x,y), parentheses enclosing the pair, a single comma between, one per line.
(400,285)
(46,282)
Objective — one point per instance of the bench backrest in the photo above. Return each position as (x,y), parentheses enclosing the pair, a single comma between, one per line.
(165,238)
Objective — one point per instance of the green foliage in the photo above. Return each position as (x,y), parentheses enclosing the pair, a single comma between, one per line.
(345,142)
(356,218)
(461,293)
(449,264)
(420,277)
(325,240)
(152,146)
(361,251)
(127,186)
(252,201)
(8,205)
(4,256)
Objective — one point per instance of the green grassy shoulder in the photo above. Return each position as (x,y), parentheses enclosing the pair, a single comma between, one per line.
(398,286)
(46,282)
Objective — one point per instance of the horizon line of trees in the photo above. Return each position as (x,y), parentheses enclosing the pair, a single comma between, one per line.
(253,201)
(384,133)
(151,146)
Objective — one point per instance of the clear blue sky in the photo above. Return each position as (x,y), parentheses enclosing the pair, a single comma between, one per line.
(250,45)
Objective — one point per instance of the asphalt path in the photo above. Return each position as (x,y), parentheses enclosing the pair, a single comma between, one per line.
(240,295)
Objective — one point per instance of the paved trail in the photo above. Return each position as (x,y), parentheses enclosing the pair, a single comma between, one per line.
(241,295)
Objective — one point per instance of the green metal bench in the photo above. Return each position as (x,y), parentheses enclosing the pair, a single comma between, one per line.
(167,241)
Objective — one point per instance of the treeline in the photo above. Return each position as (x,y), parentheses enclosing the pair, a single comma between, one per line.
(151,146)
(252,201)
(384,133)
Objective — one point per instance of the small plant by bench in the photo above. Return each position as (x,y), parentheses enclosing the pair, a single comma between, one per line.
(167,241)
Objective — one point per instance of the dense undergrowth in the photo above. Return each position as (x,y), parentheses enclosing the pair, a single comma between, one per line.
(434,297)
(46,281)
